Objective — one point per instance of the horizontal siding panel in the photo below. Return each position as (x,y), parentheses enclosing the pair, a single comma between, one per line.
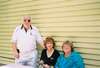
(6,3)
(61,21)
(68,24)
(68,2)
(52,6)
(4,51)
(62,34)
(52,12)
(79,39)
(91,66)
(72,34)
(6,61)
(3,59)
(89,51)
(3,41)
(62,5)
(85,50)
(5,48)
(55,29)
(73,17)
(64,9)
(70,29)
(17,20)
(71,14)
(82,45)
(5,45)
(17,5)
(7,55)
(91,57)
(39,2)
(97,63)
(87,45)
(69,19)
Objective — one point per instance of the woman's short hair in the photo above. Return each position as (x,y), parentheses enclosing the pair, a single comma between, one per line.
(69,43)
(49,39)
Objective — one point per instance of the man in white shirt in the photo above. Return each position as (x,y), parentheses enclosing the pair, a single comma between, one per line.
(24,41)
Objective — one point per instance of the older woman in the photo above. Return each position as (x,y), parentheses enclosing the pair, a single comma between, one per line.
(70,58)
(49,55)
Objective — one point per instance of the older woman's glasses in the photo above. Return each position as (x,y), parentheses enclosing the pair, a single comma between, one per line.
(27,20)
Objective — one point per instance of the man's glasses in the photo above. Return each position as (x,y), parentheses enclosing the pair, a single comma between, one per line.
(27,20)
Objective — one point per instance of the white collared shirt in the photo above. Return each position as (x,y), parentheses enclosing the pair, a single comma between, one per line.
(26,41)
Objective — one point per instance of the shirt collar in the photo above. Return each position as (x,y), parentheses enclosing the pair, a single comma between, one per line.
(22,26)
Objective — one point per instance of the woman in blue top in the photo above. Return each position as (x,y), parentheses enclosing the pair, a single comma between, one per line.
(69,58)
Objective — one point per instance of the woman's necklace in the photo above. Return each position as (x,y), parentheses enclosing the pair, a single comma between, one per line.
(49,53)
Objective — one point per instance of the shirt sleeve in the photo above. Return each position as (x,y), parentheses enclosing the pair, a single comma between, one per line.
(57,63)
(14,36)
(56,57)
(42,55)
(78,60)
(39,38)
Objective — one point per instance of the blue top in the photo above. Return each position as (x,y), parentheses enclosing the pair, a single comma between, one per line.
(74,60)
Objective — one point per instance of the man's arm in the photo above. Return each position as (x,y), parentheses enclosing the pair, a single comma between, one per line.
(14,49)
(42,45)
(14,43)
(39,39)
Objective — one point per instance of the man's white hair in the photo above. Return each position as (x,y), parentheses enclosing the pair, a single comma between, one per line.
(26,17)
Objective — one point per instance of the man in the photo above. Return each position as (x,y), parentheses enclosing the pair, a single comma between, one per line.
(24,41)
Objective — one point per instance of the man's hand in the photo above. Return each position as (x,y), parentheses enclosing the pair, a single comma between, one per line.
(46,66)
(14,49)
(16,55)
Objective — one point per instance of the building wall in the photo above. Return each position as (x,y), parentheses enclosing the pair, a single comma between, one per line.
(75,20)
